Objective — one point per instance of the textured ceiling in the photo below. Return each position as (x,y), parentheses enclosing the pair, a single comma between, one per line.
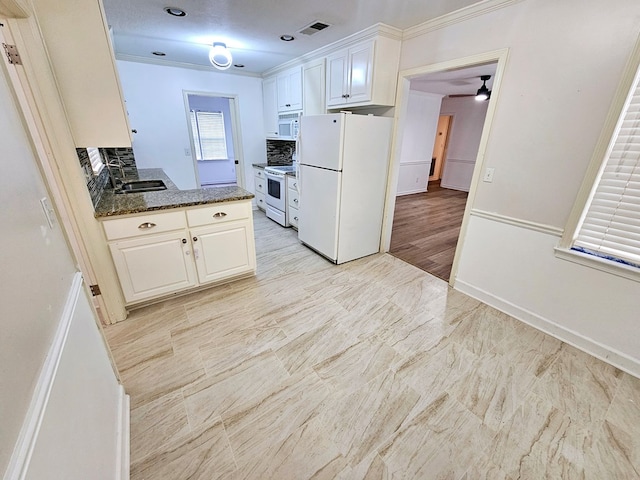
(251,28)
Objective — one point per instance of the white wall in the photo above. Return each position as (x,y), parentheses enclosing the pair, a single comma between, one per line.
(155,102)
(39,281)
(564,65)
(417,142)
(464,140)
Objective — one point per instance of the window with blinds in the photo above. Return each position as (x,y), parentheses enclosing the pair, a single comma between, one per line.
(209,135)
(96,160)
(610,225)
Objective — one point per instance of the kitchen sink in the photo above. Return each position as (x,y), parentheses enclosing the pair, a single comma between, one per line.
(135,186)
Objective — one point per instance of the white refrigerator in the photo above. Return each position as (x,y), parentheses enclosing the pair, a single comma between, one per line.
(343,163)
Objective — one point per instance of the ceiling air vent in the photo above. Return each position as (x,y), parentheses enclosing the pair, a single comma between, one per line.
(315,27)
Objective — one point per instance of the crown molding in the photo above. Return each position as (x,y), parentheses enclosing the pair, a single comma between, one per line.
(192,66)
(457,16)
(379,29)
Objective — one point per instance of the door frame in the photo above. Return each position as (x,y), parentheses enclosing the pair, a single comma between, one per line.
(402,101)
(235,126)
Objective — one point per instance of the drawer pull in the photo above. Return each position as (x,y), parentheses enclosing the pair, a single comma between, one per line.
(184,240)
(146,225)
(195,239)
(219,215)
(295,218)
(295,200)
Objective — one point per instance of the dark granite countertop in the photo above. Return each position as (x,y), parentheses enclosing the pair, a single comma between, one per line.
(260,165)
(112,204)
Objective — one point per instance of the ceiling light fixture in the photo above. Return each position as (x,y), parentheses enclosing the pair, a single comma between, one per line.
(176,12)
(483,93)
(220,56)
(287,38)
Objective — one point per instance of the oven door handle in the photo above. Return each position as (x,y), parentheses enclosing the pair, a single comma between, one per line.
(273,176)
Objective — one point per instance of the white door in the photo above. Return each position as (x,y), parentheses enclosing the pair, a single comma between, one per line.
(319,207)
(321,141)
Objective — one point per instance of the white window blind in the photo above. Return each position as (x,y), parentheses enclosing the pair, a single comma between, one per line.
(96,160)
(209,135)
(610,226)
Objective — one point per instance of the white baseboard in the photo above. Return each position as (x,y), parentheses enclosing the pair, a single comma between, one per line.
(587,345)
(19,462)
(124,446)
(411,192)
(462,188)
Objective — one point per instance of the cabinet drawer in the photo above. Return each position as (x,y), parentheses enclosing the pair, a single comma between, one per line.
(260,184)
(261,202)
(221,212)
(258,172)
(292,182)
(144,225)
(294,216)
(293,199)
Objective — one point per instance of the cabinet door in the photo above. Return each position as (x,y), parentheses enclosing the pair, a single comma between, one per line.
(314,89)
(290,90)
(270,99)
(337,76)
(153,265)
(360,73)
(223,250)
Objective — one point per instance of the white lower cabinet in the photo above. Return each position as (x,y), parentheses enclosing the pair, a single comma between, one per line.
(206,244)
(222,251)
(260,183)
(293,201)
(153,265)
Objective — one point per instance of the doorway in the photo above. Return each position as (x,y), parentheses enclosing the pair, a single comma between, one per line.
(212,121)
(427,224)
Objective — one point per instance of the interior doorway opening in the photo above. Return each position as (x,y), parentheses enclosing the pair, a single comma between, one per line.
(212,119)
(439,146)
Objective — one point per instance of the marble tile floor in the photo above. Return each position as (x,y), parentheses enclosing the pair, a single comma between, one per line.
(368,370)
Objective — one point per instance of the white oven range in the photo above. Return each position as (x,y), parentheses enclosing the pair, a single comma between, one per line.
(276,193)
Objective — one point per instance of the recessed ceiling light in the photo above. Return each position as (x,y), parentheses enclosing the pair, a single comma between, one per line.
(287,38)
(238,65)
(176,12)
(159,54)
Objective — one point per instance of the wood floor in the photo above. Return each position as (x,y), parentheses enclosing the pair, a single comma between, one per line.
(426,227)
(372,369)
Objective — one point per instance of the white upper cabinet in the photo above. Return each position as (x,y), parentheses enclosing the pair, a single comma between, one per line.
(85,71)
(363,74)
(290,90)
(313,90)
(270,107)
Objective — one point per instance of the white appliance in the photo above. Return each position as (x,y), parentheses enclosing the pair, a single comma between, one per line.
(288,126)
(276,193)
(343,162)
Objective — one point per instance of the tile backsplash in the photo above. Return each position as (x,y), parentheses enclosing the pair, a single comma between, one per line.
(115,156)
(280,152)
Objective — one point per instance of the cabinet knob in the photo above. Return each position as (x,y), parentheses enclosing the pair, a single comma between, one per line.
(184,240)
(295,200)
(195,239)
(219,215)
(288,105)
(347,96)
(146,225)
(259,185)
(295,218)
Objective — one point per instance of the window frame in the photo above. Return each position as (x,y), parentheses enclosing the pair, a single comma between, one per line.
(598,160)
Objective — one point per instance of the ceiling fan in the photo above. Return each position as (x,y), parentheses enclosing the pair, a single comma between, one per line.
(481,95)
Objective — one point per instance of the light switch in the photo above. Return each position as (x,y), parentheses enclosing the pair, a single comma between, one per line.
(488,175)
(48,212)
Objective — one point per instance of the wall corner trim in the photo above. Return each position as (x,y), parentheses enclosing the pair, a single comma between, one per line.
(25,444)
(575,339)
(457,16)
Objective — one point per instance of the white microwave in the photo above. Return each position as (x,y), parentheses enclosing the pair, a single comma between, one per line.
(288,126)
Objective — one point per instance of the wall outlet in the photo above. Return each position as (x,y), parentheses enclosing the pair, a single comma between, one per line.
(488,175)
